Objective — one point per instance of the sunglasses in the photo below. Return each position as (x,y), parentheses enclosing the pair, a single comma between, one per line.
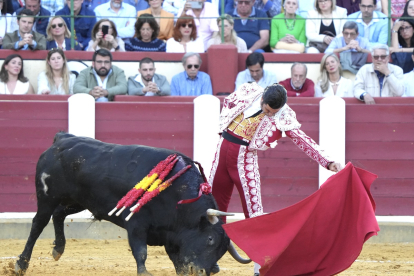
(60,25)
(187,25)
(383,57)
(196,66)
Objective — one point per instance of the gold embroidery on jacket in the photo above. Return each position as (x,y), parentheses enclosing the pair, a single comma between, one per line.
(245,127)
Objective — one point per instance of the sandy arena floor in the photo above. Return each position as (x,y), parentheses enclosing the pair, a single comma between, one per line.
(113,257)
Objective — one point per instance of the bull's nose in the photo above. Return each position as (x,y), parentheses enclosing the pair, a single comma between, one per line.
(194,271)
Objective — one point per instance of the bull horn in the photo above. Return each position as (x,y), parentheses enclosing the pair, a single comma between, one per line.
(213,212)
(233,252)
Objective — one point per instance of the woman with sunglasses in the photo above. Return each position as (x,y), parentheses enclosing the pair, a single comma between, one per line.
(402,39)
(12,79)
(331,82)
(108,40)
(57,79)
(185,37)
(146,32)
(164,19)
(5,21)
(59,36)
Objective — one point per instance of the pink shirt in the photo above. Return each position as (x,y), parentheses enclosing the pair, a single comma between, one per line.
(205,26)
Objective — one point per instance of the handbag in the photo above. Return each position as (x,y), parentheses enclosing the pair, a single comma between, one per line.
(297,47)
(321,46)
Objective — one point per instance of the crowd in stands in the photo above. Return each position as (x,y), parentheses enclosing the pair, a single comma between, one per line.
(346,31)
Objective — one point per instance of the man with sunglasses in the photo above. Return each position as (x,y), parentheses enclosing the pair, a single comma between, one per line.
(379,79)
(102,80)
(191,82)
(24,38)
(372,25)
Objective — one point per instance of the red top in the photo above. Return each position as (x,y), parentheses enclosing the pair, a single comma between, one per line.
(307,89)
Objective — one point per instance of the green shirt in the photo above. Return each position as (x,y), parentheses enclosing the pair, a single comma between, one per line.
(279,29)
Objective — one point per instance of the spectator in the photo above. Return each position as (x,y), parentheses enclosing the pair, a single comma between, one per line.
(324,23)
(138,4)
(379,79)
(24,38)
(57,79)
(331,82)
(402,36)
(147,83)
(408,10)
(298,85)
(350,5)
(349,41)
(397,8)
(408,82)
(122,14)
(173,6)
(255,72)
(185,38)
(164,19)
(204,18)
(41,16)
(5,21)
(53,5)
(253,31)
(58,35)
(12,79)
(110,41)
(371,24)
(146,33)
(191,82)
(304,6)
(102,80)
(230,36)
(288,34)
(83,22)
(270,7)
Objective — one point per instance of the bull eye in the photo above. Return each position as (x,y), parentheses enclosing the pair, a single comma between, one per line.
(210,240)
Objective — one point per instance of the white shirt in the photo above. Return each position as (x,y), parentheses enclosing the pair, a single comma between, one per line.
(124,20)
(409,84)
(20,89)
(99,80)
(43,84)
(343,90)
(5,24)
(196,46)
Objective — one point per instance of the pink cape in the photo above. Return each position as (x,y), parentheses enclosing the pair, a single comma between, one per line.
(321,235)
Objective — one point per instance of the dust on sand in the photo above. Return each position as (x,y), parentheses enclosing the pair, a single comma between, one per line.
(113,257)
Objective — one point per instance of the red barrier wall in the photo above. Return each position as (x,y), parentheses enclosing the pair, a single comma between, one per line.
(379,139)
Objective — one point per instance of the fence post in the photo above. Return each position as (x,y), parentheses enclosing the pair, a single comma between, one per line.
(81,117)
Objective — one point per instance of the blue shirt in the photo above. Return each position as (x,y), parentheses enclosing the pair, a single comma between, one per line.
(182,85)
(92,4)
(377,30)
(339,42)
(83,25)
(244,76)
(26,46)
(249,29)
(124,20)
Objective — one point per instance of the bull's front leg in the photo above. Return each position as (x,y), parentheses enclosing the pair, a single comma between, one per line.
(138,244)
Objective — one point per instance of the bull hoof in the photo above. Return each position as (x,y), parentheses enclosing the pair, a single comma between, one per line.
(144,273)
(56,255)
(215,269)
(19,271)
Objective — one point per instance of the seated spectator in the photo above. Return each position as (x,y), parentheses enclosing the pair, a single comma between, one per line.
(138,4)
(185,37)
(164,19)
(270,8)
(349,41)
(204,18)
(57,79)
(371,24)
(323,25)
(304,6)
(146,33)
(12,79)
(402,39)
(254,32)
(230,36)
(298,85)
(122,14)
(58,35)
(102,80)
(173,6)
(24,38)
(191,82)
(110,41)
(255,72)
(41,16)
(408,82)
(53,6)
(379,79)
(397,8)
(83,22)
(147,83)
(408,10)
(5,22)
(287,33)
(350,6)
(331,82)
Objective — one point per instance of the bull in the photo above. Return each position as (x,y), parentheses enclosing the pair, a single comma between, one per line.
(78,173)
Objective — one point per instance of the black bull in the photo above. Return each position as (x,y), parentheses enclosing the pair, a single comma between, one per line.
(77,173)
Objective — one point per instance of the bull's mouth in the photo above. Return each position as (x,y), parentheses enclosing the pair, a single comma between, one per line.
(192,270)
